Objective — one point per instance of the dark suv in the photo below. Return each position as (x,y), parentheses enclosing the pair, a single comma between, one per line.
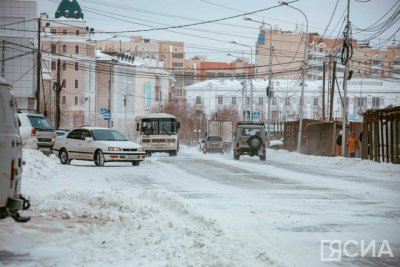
(250,140)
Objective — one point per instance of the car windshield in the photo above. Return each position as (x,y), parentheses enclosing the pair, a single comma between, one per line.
(40,123)
(158,126)
(214,138)
(108,135)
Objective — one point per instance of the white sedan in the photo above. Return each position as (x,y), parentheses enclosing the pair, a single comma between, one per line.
(98,144)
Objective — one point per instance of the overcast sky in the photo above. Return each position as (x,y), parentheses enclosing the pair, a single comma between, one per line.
(213,39)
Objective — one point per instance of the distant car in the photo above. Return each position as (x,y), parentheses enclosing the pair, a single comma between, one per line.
(276,144)
(213,143)
(37,132)
(98,144)
(61,132)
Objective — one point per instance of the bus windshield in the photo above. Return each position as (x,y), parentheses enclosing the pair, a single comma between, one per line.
(158,126)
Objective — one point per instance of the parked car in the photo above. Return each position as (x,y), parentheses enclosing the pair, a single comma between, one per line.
(36,128)
(213,143)
(276,144)
(98,144)
(11,201)
(61,132)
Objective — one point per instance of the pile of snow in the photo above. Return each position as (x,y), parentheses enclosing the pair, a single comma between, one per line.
(107,227)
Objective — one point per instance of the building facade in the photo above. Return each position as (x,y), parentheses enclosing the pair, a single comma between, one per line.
(18,46)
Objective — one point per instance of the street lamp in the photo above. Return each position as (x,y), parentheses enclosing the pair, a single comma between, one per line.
(269,92)
(251,81)
(303,74)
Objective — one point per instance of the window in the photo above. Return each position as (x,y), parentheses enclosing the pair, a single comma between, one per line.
(53,48)
(76,100)
(53,31)
(76,66)
(77,32)
(177,65)
(220,100)
(315,101)
(376,71)
(376,102)
(64,83)
(64,65)
(274,101)
(64,31)
(287,101)
(247,100)
(64,48)
(198,99)
(63,100)
(77,49)
(53,65)
(233,100)
(260,101)
(376,62)
(76,84)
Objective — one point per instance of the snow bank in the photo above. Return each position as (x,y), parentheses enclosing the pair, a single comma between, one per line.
(110,228)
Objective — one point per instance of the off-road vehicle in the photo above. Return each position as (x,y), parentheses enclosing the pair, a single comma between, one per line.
(250,140)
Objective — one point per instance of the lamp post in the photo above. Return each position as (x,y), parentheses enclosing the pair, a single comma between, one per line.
(251,80)
(303,74)
(269,92)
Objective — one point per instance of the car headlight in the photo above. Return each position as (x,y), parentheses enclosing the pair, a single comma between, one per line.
(141,149)
(114,149)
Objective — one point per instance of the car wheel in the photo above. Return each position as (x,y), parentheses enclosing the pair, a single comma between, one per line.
(136,163)
(64,159)
(149,154)
(174,153)
(236,157)
(99,158)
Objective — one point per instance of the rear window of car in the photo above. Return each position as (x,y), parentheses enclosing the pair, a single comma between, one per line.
(214,138)
(39,122)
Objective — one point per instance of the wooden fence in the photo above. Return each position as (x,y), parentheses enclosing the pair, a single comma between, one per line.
(319,138)
(381,135)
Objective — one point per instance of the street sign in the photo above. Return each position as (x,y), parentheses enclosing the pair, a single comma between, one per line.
(106,116)
(256,114)
(103,110)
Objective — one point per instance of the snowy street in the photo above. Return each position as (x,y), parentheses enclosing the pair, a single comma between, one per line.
(204,210)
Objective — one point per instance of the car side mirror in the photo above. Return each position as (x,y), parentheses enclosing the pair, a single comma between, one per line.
(203,141)
(88,139)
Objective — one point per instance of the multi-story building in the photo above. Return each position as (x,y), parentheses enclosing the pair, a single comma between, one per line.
(18,44)
(214,95)
(288,56)
(66,38)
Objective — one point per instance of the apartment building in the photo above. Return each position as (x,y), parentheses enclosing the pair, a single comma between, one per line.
(67,38)
(288,56)
(18,43)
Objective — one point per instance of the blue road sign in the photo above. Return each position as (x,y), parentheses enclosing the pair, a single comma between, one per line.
(256,114)
(103,110)
(106,116)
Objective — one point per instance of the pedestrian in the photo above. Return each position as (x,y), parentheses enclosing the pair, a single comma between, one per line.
(339,144)
(352,144)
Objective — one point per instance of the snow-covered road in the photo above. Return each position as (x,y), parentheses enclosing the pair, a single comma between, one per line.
(204,210)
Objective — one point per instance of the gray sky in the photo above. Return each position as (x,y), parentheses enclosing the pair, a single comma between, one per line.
(213,39)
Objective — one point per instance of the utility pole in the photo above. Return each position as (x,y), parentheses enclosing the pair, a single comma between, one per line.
(38,67)
(332,91)
(346,43)
(57,88)
(323,90)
